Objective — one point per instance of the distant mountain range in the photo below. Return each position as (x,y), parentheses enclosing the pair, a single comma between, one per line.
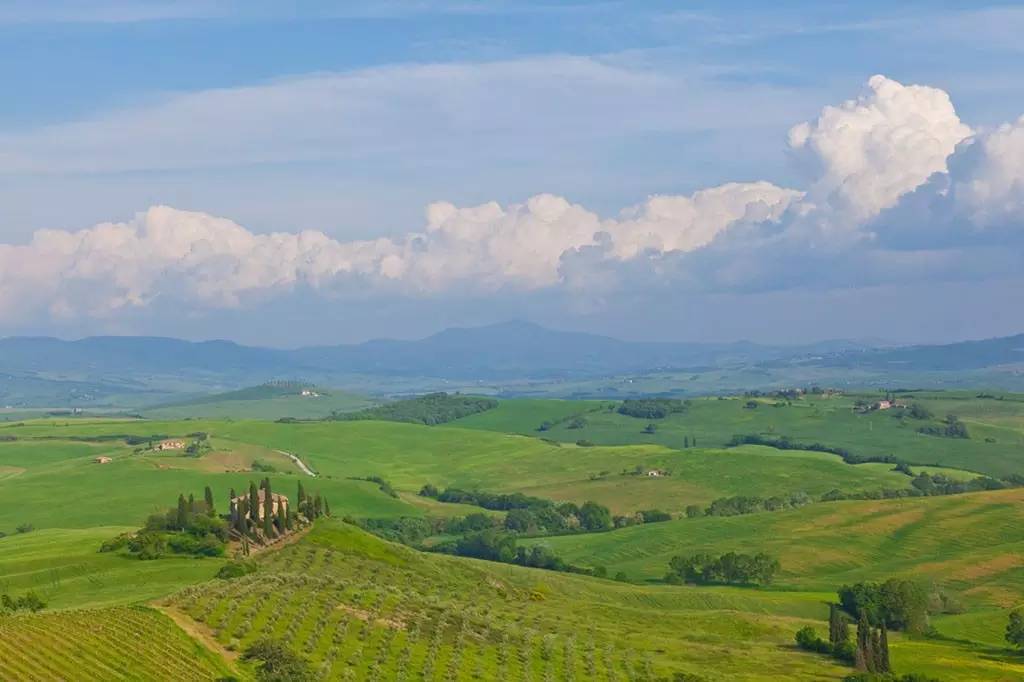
(35,370)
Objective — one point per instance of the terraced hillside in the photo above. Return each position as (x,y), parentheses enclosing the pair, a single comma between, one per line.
(120,643)
(359,608)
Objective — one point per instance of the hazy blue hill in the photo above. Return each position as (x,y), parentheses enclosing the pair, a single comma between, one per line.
(138,371)
(965,355)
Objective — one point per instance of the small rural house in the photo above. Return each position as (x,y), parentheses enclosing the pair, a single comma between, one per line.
(655,473)
(276,500)
(307,393)
(103,459)
(883,405)
(170,445)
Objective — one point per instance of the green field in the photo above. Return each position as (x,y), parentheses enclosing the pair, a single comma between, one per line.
(360,608)
(971,543)
(832,421)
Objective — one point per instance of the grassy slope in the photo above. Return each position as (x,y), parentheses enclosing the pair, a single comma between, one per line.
(270,408)
(360,608)
(969,543)
(61,487)
(411,455)
(461,619)
(67,569)
(408,455)
(828,420)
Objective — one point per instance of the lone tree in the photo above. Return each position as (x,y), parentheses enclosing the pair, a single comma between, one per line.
(1015,629)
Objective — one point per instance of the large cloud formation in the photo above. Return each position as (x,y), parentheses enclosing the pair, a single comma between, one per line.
(899,189)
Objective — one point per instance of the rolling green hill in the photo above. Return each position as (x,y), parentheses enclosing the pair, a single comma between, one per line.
(268,401)
(995,446)
(969,543)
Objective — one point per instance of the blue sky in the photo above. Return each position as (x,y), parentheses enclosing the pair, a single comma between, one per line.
(348,121)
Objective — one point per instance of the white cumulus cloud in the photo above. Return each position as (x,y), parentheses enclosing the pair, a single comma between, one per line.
(923,193)
(867,152)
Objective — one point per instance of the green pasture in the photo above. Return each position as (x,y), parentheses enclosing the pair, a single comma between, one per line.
(831,421)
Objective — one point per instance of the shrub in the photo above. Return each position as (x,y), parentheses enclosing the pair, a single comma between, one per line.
(277,662)
(808,640)
(236,569)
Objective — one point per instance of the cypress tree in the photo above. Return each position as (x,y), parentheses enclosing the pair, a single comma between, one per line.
(327,508)
(301,495)
(318,506)
(686,441)
(254,501)
(268,509)
(287,519)
(883,651)
(833,625)
(208,494)
(181,520)
(693,441)
(191,504)
(876,651)
(282,517)
(864,659)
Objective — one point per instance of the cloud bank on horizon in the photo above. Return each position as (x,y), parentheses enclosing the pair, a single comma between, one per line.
(898,189)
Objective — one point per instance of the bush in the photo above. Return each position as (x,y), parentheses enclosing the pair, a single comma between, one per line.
(25,528)
(29,601)
(808,640)
(236,569)
(277,662)
(693,511)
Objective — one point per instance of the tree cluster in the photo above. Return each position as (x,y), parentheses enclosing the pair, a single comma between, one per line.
(897,604)
(430,409)
(531,515)
(496,545)
(651,408)
(731,568)
(951,427)
(191,528)
(749,504)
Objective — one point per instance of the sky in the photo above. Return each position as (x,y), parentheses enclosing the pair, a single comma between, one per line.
(288,174)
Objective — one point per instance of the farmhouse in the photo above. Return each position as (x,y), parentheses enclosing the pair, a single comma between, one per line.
(883,405)
(170,445)
(656,473)
(276,501)
(103,459)
(307,393)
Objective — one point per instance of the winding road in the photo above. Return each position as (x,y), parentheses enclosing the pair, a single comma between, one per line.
(298,462)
